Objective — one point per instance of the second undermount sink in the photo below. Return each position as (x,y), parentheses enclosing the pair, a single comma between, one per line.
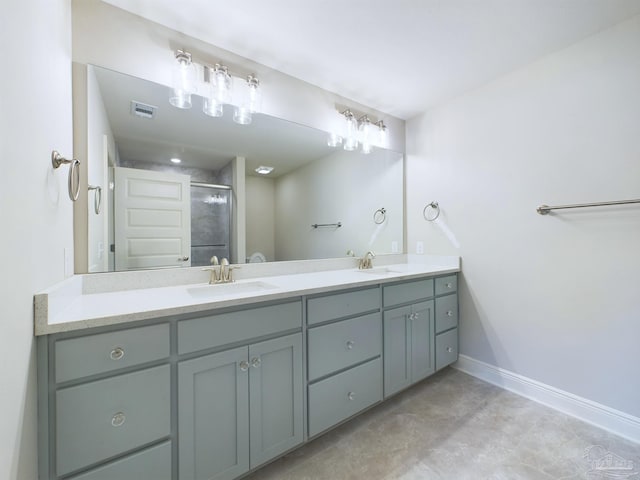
(216,290)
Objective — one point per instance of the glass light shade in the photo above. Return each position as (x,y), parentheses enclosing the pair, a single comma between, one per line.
(211,107)
(221,84)
(242,115)
(365,131)
(334,140)
(351,132)
(184,80)
(382,134)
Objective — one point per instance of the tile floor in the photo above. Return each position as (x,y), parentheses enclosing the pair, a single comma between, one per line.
(454,426)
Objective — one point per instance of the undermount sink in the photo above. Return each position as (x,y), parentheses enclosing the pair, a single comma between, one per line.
(379,271)
(215,290)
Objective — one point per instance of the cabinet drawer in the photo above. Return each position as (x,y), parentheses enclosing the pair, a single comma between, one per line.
(343,395)
(151,464)
(446,312)
(342,344)
(446,284)
(407,292)
(446,348)
(104,352)
(331,307)
(218,330)
(101,419)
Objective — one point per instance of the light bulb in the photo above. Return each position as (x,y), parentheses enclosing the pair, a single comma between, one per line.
(184,80)
(221,84)
(382,134)
(250,102)
(365,134)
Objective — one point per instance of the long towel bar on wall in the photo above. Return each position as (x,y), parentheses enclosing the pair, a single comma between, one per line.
(545,209)
(334,225)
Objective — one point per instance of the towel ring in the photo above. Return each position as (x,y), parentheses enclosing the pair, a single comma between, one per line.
(97,198)
(380,215)
(74,173)
(433,207)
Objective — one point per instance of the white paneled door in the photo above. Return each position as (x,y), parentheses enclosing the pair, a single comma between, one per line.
(152,219)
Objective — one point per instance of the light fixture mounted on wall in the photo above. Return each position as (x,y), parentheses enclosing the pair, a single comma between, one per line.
(217,89)
(359,132)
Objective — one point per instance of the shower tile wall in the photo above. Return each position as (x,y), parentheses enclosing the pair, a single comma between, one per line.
(210,222)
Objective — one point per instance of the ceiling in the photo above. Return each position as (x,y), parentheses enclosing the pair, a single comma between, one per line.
(401,57)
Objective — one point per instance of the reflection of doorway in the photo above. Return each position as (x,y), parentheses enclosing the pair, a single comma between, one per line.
(210,222)
(152,217)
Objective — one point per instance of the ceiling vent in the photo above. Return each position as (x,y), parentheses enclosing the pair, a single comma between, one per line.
(143,110)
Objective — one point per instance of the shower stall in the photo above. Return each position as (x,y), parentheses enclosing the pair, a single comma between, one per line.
(210,222)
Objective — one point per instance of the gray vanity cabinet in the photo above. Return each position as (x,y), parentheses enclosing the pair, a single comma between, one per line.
(408,345)
(446,321)
(239,408)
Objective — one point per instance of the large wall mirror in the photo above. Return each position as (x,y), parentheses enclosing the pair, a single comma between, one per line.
(144,211)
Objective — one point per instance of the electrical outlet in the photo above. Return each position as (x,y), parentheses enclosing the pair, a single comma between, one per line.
(394,247)
(419,247)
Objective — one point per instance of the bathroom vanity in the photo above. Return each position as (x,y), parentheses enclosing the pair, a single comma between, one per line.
(188,382)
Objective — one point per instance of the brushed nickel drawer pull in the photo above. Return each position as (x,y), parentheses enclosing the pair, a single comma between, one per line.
(416,316)
(449,285)
(117,353)
(244,365)
(449,313)
(255,362)
(350,344)
(118,419)
(449,349)
(351,395)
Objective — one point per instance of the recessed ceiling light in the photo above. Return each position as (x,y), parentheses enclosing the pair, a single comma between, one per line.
(262,170)
(175,160)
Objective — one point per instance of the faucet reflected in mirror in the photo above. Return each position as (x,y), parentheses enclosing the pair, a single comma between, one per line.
(310,181)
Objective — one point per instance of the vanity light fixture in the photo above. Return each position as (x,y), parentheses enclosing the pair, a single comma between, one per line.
(262,170)
(359,132)
(184,80)
(250,102)
(219,84)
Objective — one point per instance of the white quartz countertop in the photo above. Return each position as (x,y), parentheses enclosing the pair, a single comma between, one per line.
(67,307)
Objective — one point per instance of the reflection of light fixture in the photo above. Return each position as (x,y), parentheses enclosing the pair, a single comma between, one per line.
(184,80)
(262,170)
(359,132)
(250,102)
(351,133)
(175,160)
(218,83)
(334,140)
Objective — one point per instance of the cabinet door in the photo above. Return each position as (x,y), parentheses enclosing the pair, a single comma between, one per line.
(422,341)
(275,386)
(213,416)
(397,350)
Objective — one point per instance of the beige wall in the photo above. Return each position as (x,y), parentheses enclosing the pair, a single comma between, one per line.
(261,221)
(315,194)
(36,215)
(552,298)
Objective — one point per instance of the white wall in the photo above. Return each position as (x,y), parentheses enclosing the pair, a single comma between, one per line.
(260,211)
(315,194)
(552,298)
(36,213)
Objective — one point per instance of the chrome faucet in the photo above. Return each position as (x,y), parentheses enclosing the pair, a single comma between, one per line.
(366,262)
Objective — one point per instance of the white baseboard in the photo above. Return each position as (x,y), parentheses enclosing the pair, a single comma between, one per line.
(599,415)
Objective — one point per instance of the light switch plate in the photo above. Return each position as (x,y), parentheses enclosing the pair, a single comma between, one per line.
(394,247)
(419,247)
